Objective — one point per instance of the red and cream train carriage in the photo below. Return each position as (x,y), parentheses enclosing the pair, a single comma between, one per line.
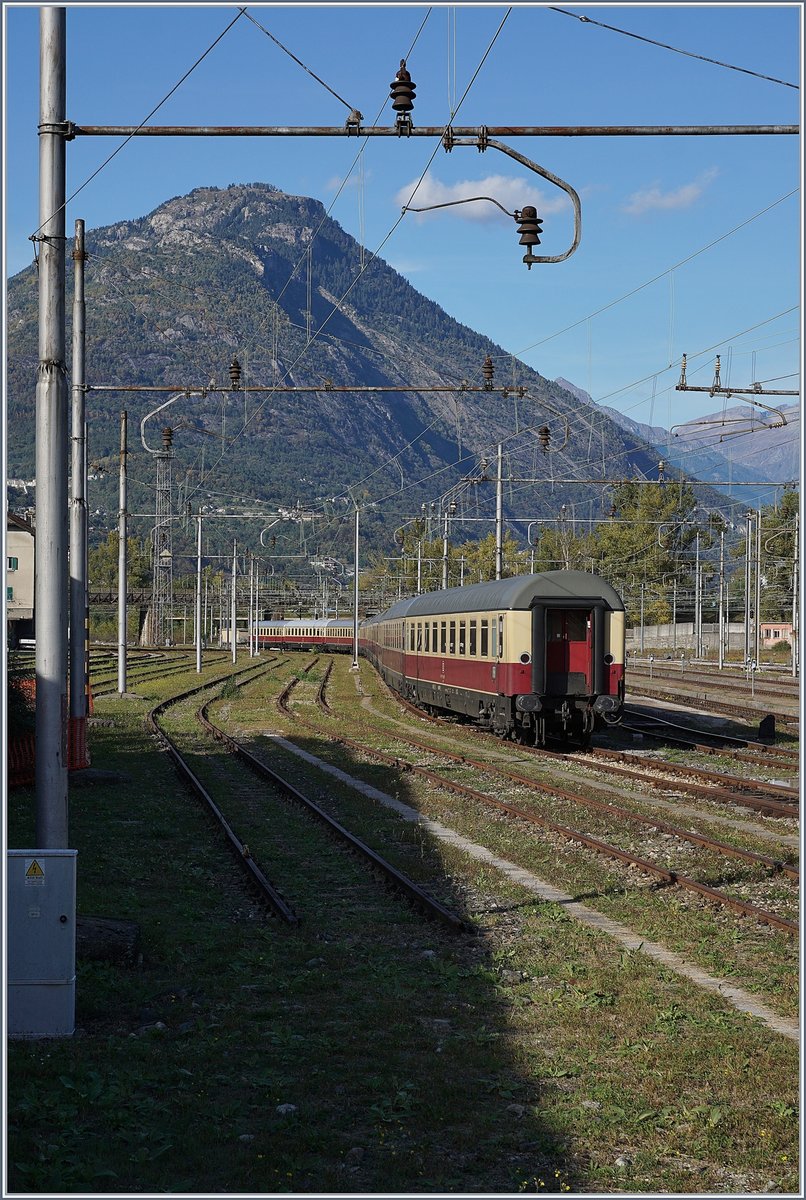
(307,633)
(527,657)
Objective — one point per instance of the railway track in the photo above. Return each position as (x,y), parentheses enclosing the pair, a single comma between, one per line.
(134,675)
(606,849)
(713,704)
(770,799)
(268,891)
(709,742)
(395,878)
(737,682)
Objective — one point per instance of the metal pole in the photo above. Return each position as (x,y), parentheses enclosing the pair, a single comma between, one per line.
(251,602)
(642,620)
(433,131)
(674,614)
(354,665)
(78,504)
(257,611)
(748,536)
(499,515)
(697,604)
(721,598)
(51,568)
(233,624)
(419,568)
(445,552)
(199,614)
(795,602)
(122,555)
(757,627)
(207,608)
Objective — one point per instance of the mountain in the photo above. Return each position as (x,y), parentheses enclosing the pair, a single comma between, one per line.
(245,270)
(738,444)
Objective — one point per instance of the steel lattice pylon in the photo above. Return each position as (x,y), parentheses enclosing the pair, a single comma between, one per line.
(163,580)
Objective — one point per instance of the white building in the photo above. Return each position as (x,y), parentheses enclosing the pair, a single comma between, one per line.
(19,578)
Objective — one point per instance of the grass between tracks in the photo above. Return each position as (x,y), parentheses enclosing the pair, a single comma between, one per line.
(535,1057)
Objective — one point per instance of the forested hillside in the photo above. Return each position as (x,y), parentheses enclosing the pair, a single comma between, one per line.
(252,272)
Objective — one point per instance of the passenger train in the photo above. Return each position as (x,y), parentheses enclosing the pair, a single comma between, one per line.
(528,658)
(307,633)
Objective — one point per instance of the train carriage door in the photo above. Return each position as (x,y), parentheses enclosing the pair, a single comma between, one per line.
(569,644)
(497,646)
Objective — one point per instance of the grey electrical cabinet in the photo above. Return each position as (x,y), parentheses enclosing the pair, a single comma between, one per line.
(41,966)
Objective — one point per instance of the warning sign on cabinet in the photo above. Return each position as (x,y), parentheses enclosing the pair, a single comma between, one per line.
(33,871)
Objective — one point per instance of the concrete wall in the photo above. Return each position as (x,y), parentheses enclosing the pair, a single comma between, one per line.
(681,637)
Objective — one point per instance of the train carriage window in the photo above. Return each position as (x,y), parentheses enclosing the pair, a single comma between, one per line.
(494,638)
(462,637)
(411,636)
(452,637)
(576,624)
(473,638)
(485,638)
(500,636)
(433,637)
(419,636)
(427,646)
(442,637)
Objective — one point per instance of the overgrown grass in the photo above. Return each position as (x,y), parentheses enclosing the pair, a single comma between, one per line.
(534,1057)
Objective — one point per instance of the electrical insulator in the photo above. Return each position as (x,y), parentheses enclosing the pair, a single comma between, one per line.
(488,370)
(682,382)
(717,381)
(167,437)
(452,508)
(544,437)
(530,226)
(235,374)
(661,469)
(402,96)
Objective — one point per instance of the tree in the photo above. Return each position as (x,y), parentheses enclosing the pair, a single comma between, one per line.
(103,563)
(650,535)
(778,550)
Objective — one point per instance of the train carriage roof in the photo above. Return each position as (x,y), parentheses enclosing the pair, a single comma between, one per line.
(309,623)
(521,592)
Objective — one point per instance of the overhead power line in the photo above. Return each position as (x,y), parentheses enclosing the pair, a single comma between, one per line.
(675,49)
(675,266)
(156,109)
(298,61)
(337,305)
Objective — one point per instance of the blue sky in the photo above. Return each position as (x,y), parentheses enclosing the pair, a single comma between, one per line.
(647,203)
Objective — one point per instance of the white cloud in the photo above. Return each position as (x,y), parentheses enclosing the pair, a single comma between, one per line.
(684,196)
(337,181)
(407,266)
(510,192)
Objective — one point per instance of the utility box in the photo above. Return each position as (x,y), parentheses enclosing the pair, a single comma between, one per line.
(41,967)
